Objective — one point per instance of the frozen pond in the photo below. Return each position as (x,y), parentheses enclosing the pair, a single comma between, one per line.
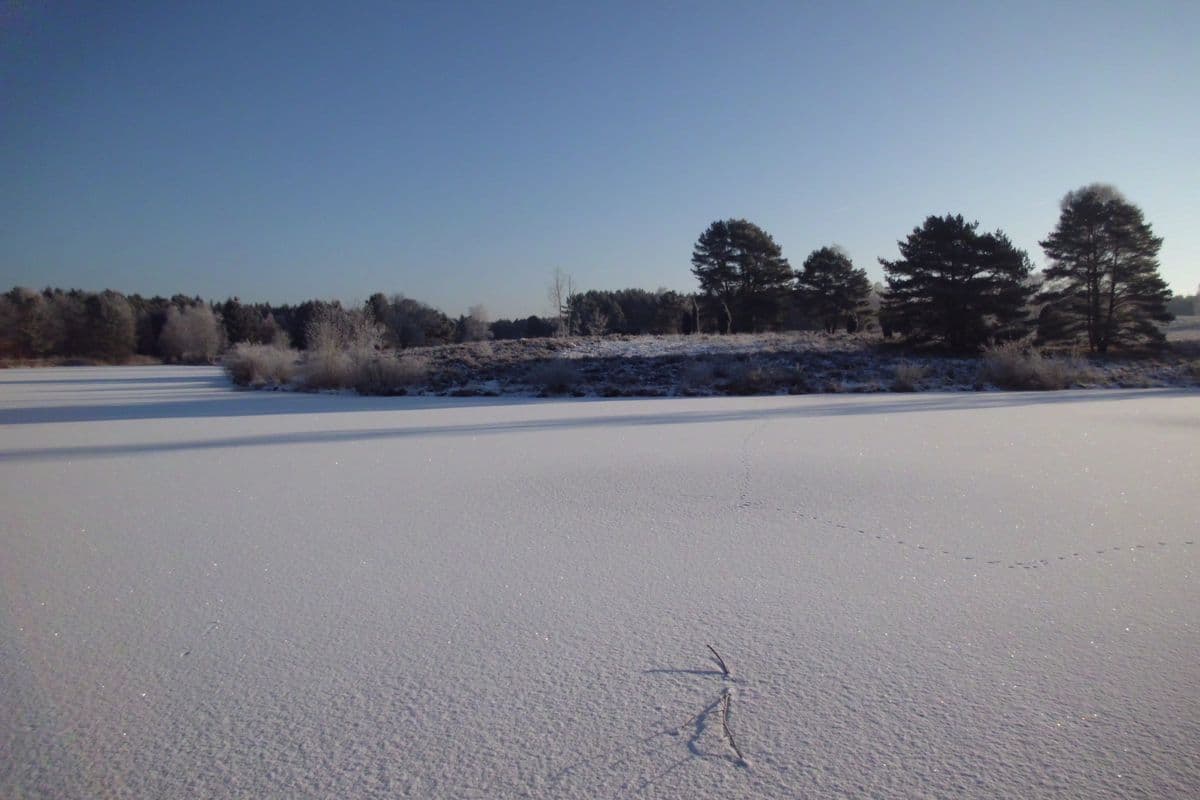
(210,593)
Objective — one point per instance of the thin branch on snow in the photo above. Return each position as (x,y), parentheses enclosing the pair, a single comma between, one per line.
(726,702)
(720,661)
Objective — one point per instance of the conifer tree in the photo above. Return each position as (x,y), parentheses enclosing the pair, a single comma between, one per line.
(743,274)
(955,284)
(831,289)
(1103,283)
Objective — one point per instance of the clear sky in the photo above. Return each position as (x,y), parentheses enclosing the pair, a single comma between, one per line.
(458,152)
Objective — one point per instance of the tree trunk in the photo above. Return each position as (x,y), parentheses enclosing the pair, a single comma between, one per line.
(1112,303)
(1095,273)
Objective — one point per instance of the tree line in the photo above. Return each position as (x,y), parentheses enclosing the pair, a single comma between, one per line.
(955,284)
(952,284)
(113,327)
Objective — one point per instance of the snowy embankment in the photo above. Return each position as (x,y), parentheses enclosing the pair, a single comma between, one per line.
(210,593)
(700,365)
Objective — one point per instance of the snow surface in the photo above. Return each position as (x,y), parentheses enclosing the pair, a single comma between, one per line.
(210,593)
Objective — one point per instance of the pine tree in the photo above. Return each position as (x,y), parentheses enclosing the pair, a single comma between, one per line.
(714,266)
(1103,280)
(957,285)
(831,289)
(743,273)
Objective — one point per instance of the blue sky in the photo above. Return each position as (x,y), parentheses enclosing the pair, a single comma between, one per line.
(459,153)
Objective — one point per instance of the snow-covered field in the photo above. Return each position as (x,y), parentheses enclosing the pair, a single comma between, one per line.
(209,593)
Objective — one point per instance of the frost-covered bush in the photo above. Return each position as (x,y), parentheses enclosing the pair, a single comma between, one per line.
(1016,365)
(386,373)
(555,376)
(260,364)
(342,345)
(362,369)
(327,368)
(908,376)
(335,328)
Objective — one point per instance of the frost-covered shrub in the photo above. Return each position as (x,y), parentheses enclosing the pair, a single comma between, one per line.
(555,376)
(1016,365)
(908,376)
(335,328)
(342,345)
(386,373)
(328,368)
(260,364)
(362,369)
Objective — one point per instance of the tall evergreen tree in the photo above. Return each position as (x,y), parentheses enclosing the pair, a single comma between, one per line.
(714,266)
(831,289)
(742,273)
(958,285)
(1103,280)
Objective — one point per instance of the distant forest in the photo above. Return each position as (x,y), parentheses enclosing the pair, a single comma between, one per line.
(953,286)
(113,327)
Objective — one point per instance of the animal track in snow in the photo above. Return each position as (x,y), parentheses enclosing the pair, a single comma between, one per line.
(745,501)
(1033,563)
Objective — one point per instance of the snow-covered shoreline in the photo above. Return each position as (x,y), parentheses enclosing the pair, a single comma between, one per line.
(709,365)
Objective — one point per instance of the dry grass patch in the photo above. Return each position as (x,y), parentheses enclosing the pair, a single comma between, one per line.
(388,373)
(363,369)
(908,376)
(1017,365)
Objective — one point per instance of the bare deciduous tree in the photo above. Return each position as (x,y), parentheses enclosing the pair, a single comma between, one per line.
(191,334)
(560,292)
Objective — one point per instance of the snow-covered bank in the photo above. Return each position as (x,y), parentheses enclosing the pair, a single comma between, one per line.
(248,594)
(701,365)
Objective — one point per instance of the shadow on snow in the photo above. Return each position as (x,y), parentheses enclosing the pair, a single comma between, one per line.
(402,410)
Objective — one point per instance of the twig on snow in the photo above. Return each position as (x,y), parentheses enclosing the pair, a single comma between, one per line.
(721,661)
(726,702)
